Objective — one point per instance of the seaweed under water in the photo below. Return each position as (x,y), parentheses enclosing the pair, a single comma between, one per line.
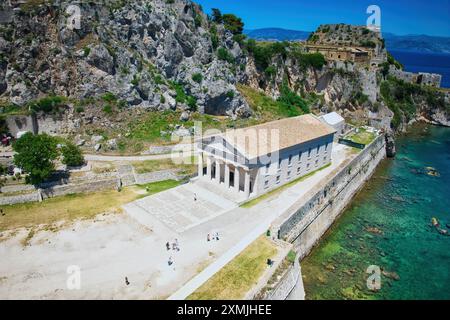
(389,224)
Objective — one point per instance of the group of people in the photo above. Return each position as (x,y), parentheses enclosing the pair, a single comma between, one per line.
(175,246)
(212,236)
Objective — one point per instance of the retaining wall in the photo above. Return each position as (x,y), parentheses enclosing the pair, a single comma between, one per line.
(306,221)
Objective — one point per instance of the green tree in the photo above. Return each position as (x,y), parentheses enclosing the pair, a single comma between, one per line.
(72,155)
(292,103)
(35,154)
(216,15)
(233,23)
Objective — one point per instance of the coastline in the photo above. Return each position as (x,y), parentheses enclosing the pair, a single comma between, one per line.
(383,225)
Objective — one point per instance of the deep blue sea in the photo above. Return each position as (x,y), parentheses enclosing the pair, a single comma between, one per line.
(425,62)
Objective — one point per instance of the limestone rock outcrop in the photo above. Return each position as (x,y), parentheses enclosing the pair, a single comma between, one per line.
(136,50)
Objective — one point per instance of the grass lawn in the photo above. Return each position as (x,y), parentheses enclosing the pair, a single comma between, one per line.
(166,164)
(157,187)
(274,192)
(363,136)
(239,275)
(77,206)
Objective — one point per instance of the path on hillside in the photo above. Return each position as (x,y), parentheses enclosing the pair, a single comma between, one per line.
(97,157)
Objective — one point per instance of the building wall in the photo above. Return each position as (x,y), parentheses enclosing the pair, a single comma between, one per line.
(295,163)
(307,220)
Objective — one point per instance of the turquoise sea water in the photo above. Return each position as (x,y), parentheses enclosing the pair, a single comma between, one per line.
(389,225)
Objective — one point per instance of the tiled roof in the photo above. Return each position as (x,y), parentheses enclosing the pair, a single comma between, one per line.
(278,135)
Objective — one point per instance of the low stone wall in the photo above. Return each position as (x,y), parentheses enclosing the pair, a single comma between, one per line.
(157,176)
(60,188)
(88,187)
(286,283)
(307,220)
(22,198)
(429,79)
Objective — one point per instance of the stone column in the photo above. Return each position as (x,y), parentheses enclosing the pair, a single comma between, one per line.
(227,176)
(247,184)
(236,179)
(200,164)
(217,171)
(208,168)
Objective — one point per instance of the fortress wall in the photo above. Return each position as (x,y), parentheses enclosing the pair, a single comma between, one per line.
(305,223)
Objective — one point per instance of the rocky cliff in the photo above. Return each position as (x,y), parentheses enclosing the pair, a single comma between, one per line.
(168,55)
(353,89)
(154,54)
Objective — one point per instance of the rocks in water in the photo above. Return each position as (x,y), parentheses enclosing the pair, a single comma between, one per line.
(434,222)
(432,172)
(399,199)
(391,150)
(391,275)
(330,267)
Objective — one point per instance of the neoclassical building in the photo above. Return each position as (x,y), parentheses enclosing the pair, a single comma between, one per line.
(256,160)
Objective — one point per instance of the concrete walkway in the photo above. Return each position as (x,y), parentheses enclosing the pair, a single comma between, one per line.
(216,266)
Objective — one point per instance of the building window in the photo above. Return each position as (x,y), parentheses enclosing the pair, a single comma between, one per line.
(325,159)
(289,175)
(298,170)
(300,157)
(278,179)
(317,163)
(318,151)
(290,160)
(266,184)
(309,153)
(267,168)
(279,164)
(308,166)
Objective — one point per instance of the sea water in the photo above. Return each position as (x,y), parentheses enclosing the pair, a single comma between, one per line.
(389,225)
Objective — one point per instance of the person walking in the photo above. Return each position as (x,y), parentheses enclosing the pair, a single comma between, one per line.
(177,244)
(208,238)
(170,262)
(168,246)
(195,197)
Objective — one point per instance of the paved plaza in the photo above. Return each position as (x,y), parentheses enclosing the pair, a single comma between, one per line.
(181,208)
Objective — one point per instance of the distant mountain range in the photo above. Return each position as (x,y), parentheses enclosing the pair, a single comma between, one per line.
(415,43)
(277,34)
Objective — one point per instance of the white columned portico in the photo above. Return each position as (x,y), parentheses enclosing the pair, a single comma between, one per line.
(236,179)
(208,167)
(227,176)
(200,164)
(247,184)
(217,171)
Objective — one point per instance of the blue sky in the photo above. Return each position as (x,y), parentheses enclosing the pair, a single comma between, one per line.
(401,17)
